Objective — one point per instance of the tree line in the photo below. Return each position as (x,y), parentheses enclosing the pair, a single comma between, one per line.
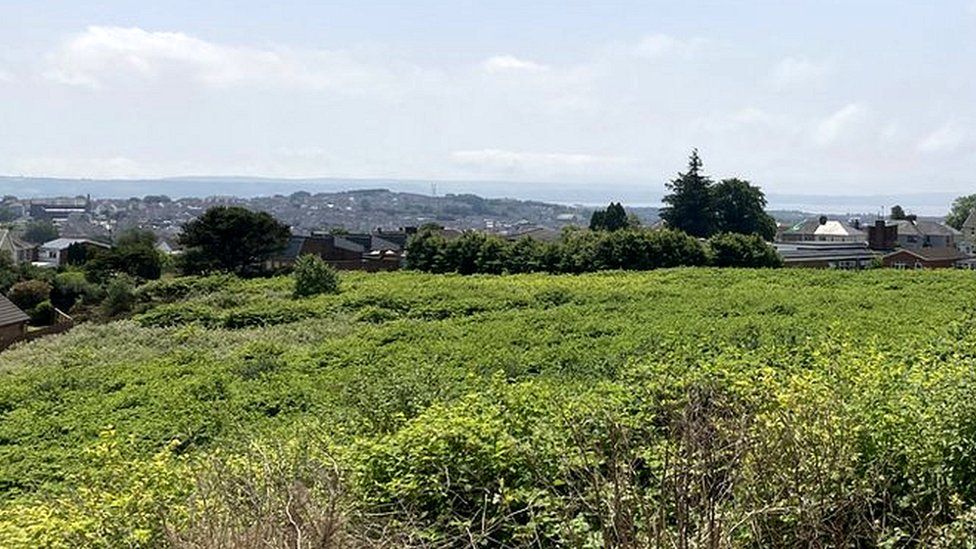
(581,251)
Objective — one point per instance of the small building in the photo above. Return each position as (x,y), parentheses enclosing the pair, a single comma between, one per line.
(58,210)
(13,323)
(827,255)
(54,253)
(924,258)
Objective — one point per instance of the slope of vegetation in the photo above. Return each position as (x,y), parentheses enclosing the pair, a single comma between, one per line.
(692,406)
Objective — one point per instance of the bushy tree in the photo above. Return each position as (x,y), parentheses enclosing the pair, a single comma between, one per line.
(119,296)
(688,206)
(72,287)
(961,207)
(39,232)
(898,213)
(741,208)
(611,219)
(232,239)
(29,293)
(425,250)
(313,276)
(742,250)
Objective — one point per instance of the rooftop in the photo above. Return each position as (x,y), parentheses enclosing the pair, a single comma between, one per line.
(10,313)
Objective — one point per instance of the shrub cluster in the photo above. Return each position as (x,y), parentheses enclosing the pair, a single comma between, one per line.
(581,251)
(313,276)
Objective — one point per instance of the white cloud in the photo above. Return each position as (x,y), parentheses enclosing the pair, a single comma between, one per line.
(654,46)
(839,124)
(793,73)
(111,167)
(103,56)
(946,139)
(506,63)
(533,163)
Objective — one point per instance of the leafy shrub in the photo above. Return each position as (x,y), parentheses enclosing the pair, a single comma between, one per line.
(29,294)
(739,250)
(119,296)
(42,314)
(313,276)
(184,287)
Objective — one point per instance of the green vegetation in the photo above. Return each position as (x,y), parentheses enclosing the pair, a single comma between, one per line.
(313,276)
(39,232)
(702,208)
(961,208)
(611,219)
(582,251)
(231,239)
(681,407)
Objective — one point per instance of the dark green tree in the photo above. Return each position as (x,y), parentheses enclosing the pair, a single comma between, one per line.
(6,215)
(897,213)
(233,239)
(688,206)
(741,208)
(39,232)
(742,250)
(613,218)
(961,208)
(425,250)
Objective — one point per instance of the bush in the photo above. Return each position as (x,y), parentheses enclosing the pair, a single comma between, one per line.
(43,314)
(29,294)
(71,288)
(119,296)
(739,250)
(313,276)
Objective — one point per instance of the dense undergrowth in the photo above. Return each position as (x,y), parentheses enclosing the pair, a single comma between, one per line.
(685,408)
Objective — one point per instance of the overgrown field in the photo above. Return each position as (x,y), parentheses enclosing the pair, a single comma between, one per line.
(685,408)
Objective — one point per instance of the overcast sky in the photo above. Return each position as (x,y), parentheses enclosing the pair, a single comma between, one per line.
(845,97)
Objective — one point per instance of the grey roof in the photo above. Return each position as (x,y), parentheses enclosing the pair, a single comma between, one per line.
(811,225)
(932,254)
(10,314)
(924,228)
(64,243)
(348,244)
(970,219)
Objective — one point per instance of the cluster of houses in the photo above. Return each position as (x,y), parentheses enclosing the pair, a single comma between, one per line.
(909,243)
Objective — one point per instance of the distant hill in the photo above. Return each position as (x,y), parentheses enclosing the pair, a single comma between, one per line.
(928,204)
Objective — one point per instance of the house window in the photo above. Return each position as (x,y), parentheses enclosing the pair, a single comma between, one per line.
(901,265)
(918,265)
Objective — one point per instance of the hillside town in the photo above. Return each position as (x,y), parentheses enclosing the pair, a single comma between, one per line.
(368,230)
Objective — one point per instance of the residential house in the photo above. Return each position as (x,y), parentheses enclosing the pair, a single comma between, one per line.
(923,258)
(348,252)
(54,253)
(967,240)
(13,323)
(17,250)
(822,229)
(915,234)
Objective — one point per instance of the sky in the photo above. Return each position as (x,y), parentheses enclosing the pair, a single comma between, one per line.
(804,97)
